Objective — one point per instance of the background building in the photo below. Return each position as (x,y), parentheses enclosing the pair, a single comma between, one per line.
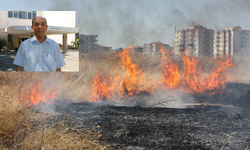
(197,40)
(154,48)
(15,26)
(138,49)
(232,41)
(87,43)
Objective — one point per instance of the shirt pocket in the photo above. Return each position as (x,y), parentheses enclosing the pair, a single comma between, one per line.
(50,62)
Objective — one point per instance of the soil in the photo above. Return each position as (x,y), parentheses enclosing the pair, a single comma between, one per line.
(221,121)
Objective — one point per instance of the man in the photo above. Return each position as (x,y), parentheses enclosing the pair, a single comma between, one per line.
(39,53)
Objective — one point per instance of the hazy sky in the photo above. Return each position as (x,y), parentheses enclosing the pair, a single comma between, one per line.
(120,23)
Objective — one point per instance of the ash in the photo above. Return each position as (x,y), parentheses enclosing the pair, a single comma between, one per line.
(220,121)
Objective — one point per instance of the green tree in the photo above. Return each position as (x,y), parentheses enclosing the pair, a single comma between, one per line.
(76,42)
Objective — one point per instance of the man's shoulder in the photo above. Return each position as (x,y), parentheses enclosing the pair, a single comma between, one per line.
(51,41)
(28,40)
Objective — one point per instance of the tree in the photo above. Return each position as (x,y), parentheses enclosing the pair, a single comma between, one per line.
(76,42)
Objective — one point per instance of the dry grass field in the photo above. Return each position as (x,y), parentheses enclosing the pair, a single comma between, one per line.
(19,127)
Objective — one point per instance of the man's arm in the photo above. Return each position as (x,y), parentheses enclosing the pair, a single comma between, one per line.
(59,58)
(58,69)
(19,68)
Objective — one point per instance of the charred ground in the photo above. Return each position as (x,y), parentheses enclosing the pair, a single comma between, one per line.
(222,122)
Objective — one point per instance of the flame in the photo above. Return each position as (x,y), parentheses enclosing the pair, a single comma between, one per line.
(191,79)
(170,71)
(103,87)
(36,94)
(132,83)
(197,83)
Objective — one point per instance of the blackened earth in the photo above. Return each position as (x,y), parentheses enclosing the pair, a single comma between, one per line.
(224,126)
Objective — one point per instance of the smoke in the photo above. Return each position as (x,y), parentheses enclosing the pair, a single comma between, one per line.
(169,99)
(46,88)
(121,23)
(160,98)
(240,72)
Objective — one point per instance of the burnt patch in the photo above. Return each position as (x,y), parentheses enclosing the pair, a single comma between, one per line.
(203,127)
(222,126)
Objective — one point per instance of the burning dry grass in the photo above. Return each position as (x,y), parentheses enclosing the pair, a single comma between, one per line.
(16,118)
(23,128)
(124,73)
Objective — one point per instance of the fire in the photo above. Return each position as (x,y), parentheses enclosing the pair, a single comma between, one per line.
(132,83)
(170,71)
(36,94)
(103,87)
(197,83)
(191,78)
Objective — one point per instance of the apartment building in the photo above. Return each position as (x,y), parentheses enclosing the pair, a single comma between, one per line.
(87,43)
(196,40)
(154,48)
(137,49)
(231,41)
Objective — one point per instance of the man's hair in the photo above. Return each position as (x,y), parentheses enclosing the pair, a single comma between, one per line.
(37,17)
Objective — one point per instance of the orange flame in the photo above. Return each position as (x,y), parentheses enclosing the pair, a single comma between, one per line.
(133,82)
(36,95)
(199,84)
(170,74)
(103,87)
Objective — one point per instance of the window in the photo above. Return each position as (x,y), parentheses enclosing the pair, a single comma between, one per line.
(15,14)
(20,14)
(29,15)
(34,14)
(25,15)
(10,14)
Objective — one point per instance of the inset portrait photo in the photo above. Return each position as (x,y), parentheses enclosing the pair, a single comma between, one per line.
(39,41)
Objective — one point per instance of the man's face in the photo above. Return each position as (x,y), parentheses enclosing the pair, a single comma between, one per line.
(39,27)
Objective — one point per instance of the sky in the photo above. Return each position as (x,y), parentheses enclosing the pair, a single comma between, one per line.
(121,23)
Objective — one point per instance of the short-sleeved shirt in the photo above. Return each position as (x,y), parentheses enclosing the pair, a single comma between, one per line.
(36,56)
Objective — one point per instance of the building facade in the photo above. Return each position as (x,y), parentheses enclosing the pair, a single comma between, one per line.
(196,40)
(231,41)
(154,48)
(87,43)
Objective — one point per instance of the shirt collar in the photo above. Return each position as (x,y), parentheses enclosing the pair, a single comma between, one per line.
(34,39)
